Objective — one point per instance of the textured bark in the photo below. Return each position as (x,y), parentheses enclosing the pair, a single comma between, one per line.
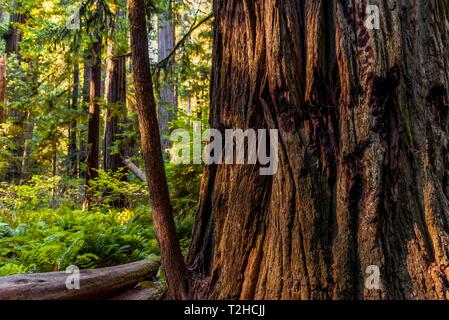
(85,108)
(116,112)
(93,135)
(169,248)
(94,284)
(362,179)
(168,100)
(73,126)
(16,117)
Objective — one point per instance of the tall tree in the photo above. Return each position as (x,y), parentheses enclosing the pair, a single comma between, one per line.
(168,100)
(93,135)
(362,178)
(115,94)
(170,251)
(84,109)
(73,154)
(17,118)
(3,62)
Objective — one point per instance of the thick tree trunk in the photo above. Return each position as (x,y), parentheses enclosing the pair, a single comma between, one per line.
(170,251)
(73,126)
(362,178)
(168,100)
(93,135)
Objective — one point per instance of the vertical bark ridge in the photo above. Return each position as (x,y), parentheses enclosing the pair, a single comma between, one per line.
(362,179)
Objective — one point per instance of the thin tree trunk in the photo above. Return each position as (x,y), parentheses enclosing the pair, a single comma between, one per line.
(116,112)
(115,117)
(25,173)
(93,136)
(170,251)
(3,62)
(12,39)
(13,35)
(73,127)
(168,100)
(84,110)
(362,155)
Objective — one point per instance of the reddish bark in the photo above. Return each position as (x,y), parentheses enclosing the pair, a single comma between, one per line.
(362,177)
(93,136)
(170,251)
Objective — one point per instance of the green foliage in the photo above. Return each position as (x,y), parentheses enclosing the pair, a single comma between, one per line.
(47,240)
(184,183)
(110,188)
(40,192)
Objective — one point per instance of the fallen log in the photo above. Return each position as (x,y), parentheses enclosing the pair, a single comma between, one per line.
(93,284)
(134,169)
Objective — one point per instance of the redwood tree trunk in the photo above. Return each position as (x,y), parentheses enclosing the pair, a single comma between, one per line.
(167,102)
(170,251)
(17,129)
(84,109)
(115,114)
(93,136)
(362,179)
(73,136)
(115,94)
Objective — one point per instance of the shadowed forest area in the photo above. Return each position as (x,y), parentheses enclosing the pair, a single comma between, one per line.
(224,149)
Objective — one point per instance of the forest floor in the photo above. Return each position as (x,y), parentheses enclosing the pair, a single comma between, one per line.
(43,227)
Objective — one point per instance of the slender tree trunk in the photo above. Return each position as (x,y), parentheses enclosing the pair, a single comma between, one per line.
(84,110)
(362,179)
(13,35)
(115,116)
(12,39)
(168,100)
(73,127)
(25,173)
(115,113)
(115,93)
(3,62)
(93,136)
(170,251)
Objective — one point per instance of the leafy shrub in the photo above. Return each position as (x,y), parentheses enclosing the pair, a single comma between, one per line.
(40,192)
(49,240)
(110,188)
